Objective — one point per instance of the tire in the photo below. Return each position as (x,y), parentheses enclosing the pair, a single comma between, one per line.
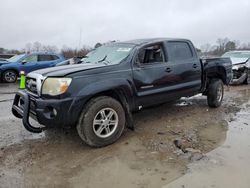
(215,93)
(96,116)
(9,76)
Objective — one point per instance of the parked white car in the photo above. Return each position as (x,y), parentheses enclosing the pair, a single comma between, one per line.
(241,66)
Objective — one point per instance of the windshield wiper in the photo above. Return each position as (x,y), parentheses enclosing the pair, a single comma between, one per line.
(104,60)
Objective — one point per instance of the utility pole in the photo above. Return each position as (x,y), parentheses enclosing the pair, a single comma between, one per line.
(80,39)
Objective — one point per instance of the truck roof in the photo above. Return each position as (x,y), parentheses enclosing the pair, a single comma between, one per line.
(151,40)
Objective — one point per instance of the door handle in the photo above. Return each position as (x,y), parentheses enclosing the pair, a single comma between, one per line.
(195,66)
(168,69)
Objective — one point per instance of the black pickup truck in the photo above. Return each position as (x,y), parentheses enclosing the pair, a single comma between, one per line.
(99,95)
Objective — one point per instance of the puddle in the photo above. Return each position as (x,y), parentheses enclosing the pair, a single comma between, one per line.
(227,165)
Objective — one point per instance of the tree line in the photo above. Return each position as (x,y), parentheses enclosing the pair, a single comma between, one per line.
(221,46)
(68,52)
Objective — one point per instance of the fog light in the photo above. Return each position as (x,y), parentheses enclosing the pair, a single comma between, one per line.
(50,112)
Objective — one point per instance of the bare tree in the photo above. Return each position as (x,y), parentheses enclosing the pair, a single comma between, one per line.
(230,45)
(28,47)
(222,44)
(205,48)
(2,50)
(37,47)
(50,48)
(70,52)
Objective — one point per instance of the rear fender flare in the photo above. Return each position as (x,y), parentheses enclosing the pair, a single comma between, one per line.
(217,72)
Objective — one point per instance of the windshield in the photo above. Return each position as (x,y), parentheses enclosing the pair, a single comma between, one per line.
(108,54)
(15,58)
(237,54)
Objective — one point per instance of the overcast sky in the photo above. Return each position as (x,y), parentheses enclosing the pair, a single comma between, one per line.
(59,22)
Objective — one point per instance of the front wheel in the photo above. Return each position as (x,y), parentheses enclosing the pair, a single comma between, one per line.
(9,76)
(215,93)
(102,122)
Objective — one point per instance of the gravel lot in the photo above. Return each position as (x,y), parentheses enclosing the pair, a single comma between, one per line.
(173,145)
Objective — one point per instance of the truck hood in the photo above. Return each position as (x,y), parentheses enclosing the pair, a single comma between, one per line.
(67,69)
(236,61)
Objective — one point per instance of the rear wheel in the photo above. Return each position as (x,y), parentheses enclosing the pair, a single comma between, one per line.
(102,122)
(9,76)
(215,93)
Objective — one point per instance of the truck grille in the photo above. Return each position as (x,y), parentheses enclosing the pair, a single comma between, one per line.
(34,83)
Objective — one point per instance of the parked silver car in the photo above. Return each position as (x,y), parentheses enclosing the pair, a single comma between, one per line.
(241,66)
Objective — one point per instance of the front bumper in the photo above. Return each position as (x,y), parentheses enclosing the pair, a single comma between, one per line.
(50,112)
(239,76)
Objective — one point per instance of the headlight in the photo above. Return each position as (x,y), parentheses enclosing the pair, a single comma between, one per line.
(239,66)
(55,86)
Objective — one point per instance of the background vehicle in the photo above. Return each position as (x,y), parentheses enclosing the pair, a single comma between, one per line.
(9,69)
(6,56)
(99,95)
(241,66)
(71,61)
(2,59)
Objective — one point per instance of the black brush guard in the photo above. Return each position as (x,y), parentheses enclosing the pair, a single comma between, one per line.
(23,111)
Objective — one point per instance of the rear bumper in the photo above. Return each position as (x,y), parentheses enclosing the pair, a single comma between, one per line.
(50,113)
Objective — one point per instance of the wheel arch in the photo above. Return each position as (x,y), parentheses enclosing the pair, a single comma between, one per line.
(120,90)
(11,69)
(218,72)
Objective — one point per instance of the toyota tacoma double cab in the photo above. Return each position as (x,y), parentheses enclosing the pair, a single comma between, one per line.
(98,96)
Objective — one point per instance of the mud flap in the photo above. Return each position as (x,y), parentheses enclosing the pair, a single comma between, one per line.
(128,114)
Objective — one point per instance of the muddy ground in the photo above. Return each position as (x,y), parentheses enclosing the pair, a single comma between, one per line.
(167,138)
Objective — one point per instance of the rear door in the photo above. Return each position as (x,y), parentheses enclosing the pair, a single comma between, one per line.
(185,67)
(45,61)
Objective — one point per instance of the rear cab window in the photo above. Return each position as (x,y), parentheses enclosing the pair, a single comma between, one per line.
(179,51)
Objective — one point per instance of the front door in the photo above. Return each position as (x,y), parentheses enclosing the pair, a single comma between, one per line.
(152,75)
(29,63)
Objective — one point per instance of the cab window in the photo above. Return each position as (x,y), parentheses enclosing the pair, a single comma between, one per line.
(151,54)
(178,51)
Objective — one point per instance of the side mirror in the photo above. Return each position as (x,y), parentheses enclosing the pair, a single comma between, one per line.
(23,62)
